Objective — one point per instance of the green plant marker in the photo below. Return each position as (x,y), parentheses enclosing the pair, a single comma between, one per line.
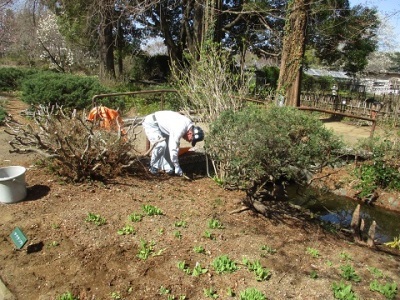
(18,237)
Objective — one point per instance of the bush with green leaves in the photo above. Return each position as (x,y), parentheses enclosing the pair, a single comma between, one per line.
(65,90)
(11,78)
(381,171)
(317,84)
(256,146)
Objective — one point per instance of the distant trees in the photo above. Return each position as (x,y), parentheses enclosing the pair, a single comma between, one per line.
(395,60)
(109,30)
(342,37)
(18,37)
(338,35)
(54,46)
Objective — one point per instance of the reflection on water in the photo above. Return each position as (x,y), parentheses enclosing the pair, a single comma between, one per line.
(338,210)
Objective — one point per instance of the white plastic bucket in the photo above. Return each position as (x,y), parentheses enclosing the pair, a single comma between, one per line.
(12,184)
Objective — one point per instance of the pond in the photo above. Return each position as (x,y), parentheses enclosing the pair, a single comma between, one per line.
(338,210)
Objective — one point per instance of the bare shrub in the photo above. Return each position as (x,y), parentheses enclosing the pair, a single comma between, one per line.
(207,83)
(73,147)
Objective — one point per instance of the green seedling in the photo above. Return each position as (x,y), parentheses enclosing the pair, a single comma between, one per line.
(376,272)
(209,235)
(230,292)
(53,244)
(329,263)
(349,273)
(252,294)
(146,249)
(345,256)
(313,252)
(261,273)
(96,219)
(268,249)
(223,264)
(215,224)
(342,291)
(177,234)
(313,274)
(55,226)
(164,291)
(67,296)
(172,297)
(218,181)
(151,210)
(116,296)
(161,231)
(181,224)
(184,267)
(389,290)
(134,217)
(210,293)
(127,229)
(198,270)
(199,249)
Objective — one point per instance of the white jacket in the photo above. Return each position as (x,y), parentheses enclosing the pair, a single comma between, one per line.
(174,125)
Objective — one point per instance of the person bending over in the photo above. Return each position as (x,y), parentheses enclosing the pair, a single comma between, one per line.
(170,126)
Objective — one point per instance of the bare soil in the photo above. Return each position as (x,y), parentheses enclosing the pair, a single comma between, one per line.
(65,252)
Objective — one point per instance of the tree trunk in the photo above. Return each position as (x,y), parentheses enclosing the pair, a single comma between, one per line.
(293,52)
(120,47)
(107,66)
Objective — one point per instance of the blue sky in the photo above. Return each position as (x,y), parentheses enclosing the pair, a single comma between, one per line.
(389,11)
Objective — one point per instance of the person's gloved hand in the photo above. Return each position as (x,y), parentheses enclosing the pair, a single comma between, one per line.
(178,171)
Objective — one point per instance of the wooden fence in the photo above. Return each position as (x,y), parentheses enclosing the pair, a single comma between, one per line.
(355,107)
(384,108)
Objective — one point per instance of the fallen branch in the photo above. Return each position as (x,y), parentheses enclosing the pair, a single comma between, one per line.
(239,210)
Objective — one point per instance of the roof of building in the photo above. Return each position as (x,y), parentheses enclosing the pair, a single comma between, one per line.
(322,72)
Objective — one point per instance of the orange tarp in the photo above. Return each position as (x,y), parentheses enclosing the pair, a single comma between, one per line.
(108,118)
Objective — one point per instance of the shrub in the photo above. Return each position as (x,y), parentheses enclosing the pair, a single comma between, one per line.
(381,171)
(256,146)
(73,148)
(11,78)
(150,68)
(317,84)
(65,90)
(207,83)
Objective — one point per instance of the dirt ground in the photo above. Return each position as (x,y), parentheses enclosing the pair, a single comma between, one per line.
(65,252)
